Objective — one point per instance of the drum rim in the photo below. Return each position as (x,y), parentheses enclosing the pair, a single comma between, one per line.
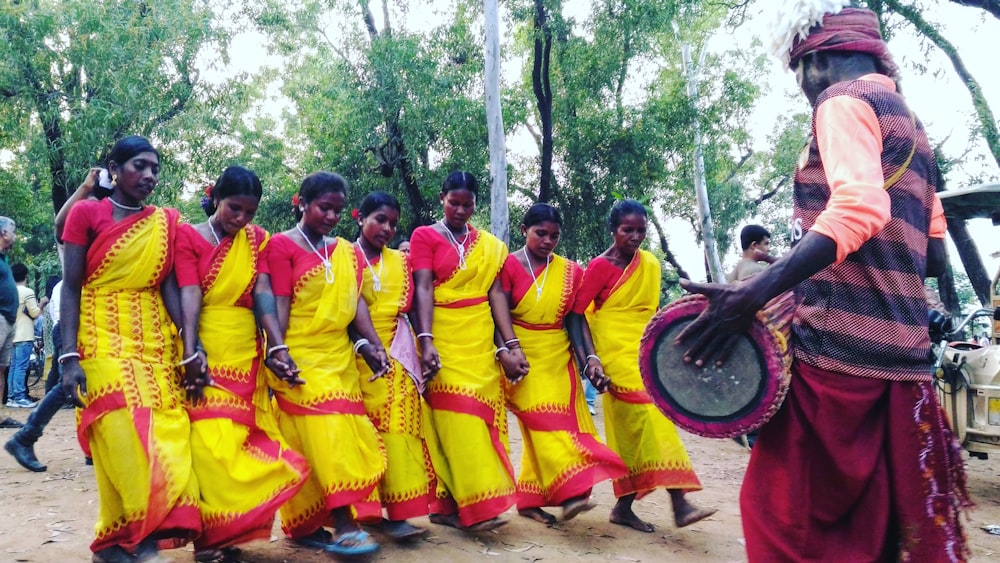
(768,398)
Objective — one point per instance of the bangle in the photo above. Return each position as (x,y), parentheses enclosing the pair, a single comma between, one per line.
(361,343)
(427,334)
(496,355)
(273,349)
(511,341)
(67,356)
(594,356)
(186,361)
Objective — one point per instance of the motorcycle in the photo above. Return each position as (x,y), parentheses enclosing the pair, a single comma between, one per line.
(967,378)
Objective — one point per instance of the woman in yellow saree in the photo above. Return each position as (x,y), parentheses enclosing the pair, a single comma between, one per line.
(120,364)
(317,283)
(393,402)
(457,299)
(561,456)
(245,469)
(620,294)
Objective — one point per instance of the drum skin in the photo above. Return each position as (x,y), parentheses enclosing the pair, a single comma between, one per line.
(718,402)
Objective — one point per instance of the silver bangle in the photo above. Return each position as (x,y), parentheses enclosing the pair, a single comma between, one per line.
(496,355)
(67,356)
(361,343)
(427,334)
(188,360)
(274,349)
(595,357)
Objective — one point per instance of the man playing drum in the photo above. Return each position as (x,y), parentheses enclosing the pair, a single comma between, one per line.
(859,463)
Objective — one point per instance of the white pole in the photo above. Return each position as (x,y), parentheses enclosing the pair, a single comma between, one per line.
(499,215)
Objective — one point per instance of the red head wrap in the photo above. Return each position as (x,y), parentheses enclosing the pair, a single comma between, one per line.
(853,29)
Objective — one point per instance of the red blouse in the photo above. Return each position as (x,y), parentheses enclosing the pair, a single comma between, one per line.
(430,250)
(285,257)
(598,280)
(516,281)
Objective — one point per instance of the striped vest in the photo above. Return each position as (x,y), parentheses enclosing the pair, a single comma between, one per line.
(867,316)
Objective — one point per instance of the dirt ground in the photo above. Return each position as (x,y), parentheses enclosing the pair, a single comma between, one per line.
(48,517)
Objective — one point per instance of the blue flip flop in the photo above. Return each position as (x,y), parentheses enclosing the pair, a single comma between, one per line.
(364,544)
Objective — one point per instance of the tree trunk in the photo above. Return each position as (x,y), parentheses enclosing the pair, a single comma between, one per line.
(991,6)
(543,95)
(665,249)
(499,219)
(971,260)
(948,293)
(986,119)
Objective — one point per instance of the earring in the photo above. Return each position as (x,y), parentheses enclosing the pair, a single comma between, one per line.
(114,181)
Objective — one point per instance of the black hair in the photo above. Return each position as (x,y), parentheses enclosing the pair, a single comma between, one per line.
(50,284)
(20,272)
(234,181)
(751,234)
(374,200)
(318,184)
(540,213)
(623,208)
(460,180)
(127,147)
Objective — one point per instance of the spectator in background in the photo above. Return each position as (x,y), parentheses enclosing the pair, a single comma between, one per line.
(54,343)
(8,309)
(28,310)
(756,243)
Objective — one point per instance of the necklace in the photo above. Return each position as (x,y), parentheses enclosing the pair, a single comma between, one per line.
(324,258)
(531,270)
(211,227)
(459,246)
(376,277)
(123,206)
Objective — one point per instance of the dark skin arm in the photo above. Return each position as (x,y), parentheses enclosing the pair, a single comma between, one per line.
(583,346)
(423,321)
(195,371)
(937,257)
(731,308)
(82,192)
(74,381)
(515,364)
(373,352)
(265,310)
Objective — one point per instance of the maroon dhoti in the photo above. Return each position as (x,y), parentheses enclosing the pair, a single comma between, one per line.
(854,469)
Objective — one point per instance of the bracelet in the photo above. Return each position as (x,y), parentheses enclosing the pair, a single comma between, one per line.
(277,348)
(496,355)
(361,343)
(589,356)
(67,356)
(427,334)
(188,360)
(511,341)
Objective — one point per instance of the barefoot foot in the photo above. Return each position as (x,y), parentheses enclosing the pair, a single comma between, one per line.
(538,515)
(628,518)
(576,506)
(450,520)
(691,514)
(487,525)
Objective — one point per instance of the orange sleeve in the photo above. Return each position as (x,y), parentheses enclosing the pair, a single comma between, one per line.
(939,226)
(850,146)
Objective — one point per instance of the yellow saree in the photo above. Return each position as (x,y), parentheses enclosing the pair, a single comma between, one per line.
(644,438)
(467,444)
(393,402)
(325,419)
(248,472)
(134,425)
(561,457)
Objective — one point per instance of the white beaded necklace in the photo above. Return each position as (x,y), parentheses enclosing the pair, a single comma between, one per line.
(215,235)
(459,247)
(123,206)
(531,270)
(324,258)
(376,277)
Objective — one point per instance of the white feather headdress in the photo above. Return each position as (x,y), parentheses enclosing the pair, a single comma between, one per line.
(795,19)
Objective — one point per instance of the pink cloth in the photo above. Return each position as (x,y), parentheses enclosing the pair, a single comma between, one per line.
(404,350)
(853,29)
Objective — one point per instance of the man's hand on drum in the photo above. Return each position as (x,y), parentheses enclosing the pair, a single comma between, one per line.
(731,309)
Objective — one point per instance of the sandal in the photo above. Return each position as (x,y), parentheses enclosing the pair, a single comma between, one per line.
(402,530)
(352,543)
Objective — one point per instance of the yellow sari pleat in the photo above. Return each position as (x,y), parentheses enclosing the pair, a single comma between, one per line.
(392,401)
(467,441)
(325,419)
(247,472)
(645,439)
(560,459)
(134,425)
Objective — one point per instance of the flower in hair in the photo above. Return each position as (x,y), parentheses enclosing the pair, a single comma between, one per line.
(208,190)
(355,213)
(295,200)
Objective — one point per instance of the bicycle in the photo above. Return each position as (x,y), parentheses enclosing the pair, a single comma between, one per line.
(36,363)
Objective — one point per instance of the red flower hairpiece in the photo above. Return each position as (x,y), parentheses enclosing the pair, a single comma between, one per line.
(208,190)
(295,200)
(355,213)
